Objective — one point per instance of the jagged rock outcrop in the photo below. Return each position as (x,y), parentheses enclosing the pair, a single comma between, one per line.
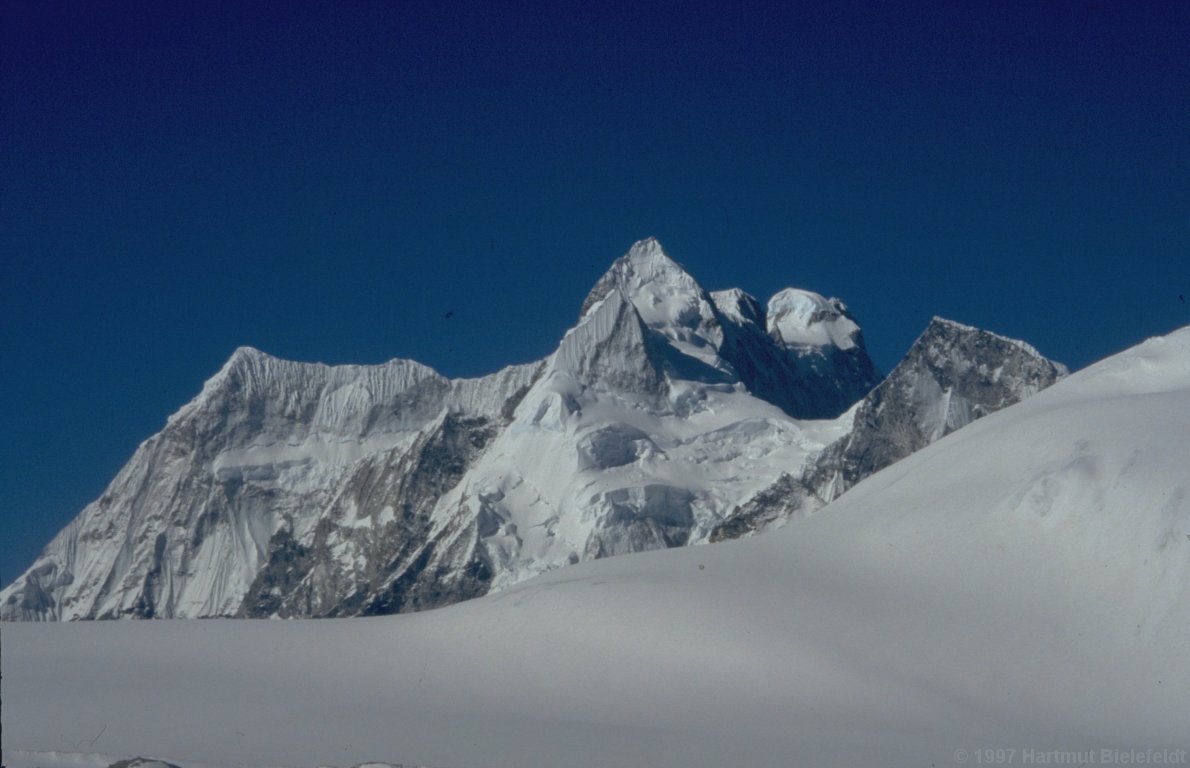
(952,375)
(292,489)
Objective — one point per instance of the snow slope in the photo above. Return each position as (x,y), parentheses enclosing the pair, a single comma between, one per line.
(1020,584)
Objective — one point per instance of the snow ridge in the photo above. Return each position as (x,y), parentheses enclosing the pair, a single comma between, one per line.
(300,489)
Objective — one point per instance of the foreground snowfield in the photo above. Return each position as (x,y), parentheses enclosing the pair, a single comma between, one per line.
(1022,584)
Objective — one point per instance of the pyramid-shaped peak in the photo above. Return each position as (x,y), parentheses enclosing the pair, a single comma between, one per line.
(665,299)
(247,354)
(645,269)
(244,358)
(646,261)
(646,249)
(659,287)
(739,306)
(946,333)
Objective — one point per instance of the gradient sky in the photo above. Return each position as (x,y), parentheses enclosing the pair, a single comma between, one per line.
(326,181)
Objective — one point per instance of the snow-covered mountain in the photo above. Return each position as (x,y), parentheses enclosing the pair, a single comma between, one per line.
(1021,585)
(667,416)
(952,375)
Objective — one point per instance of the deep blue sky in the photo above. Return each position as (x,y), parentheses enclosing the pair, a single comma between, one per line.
(326,181)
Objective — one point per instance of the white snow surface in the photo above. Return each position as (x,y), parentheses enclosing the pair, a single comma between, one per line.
(1020,584)
(803,318)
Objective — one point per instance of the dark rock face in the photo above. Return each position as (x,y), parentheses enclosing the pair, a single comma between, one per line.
(806,381)
(150,592)
(951,376)
(142,762)
(288,564)
(36,599)
(781,501)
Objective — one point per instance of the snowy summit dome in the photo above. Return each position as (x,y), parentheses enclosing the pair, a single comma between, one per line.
(804,318)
